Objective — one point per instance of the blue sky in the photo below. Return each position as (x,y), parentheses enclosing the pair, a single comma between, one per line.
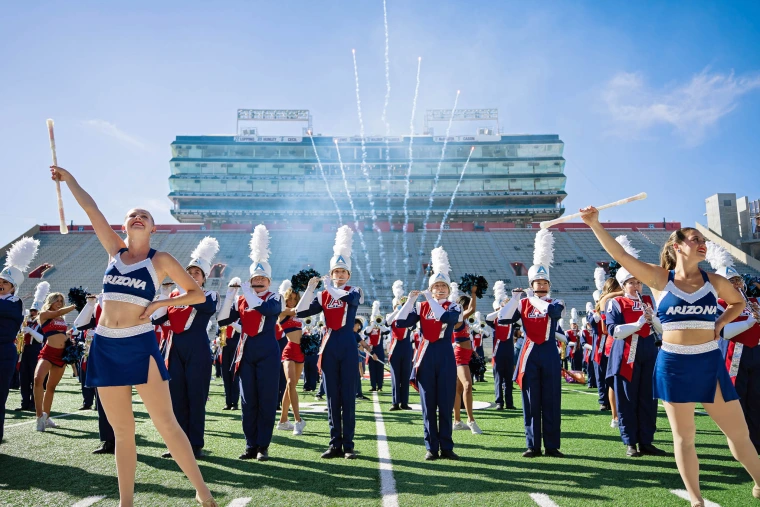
(662,97)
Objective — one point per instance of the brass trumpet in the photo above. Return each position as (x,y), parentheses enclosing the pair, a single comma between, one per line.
(378,319)
(20,335)
(223,336)
(483,325)
(471,319)
(308,321)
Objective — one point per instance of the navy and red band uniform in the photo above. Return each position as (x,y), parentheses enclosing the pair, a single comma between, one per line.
(374,336)
(231,386)
(282,342)
(28,363)
(434,371)
(400,355)
(11,318)
(538,373)
(292,350)
(503,361)
(50,328)
(742,359)
(631,366)
(257,366)
(310,370)
(575,352)
(337,360)
(189,361)
(105,430)
(598,357)
(587,345)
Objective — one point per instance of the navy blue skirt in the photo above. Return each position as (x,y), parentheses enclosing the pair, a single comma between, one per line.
(691,377)
(121,357)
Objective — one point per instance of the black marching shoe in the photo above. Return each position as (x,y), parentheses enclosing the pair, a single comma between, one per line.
(431,456)
(603,408)
(651,450)
(554,453)
(449,455)
(167,454)
(234,407)
(227,407)
(531,453)
(263,454)
(632,452)
(19,409)
(198,452)
(499,406)
(319,397)
(362,397)
(404,406)
(372,390)
(511,407)
(394,407)
(250,453)
(85,407)
(332,452)
(349,455)
(105,448)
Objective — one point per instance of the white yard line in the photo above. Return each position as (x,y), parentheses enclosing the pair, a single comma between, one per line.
(86,502)
(387,482)
(682,493)
(543,500)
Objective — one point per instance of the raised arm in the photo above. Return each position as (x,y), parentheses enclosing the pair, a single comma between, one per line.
(107,236)
(45,316)
(653,276)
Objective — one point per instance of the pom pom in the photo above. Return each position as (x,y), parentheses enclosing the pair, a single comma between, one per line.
(600,276)
(718,257)
(41,292)
(284,286)
(310,344)
(22,252)
(440,261)
(259,244)
(469,281)
(301,279)
(627,246)
(751,289)
(344,239)
(477,366)
(614,267)
(206,249)
(78,297)
(543,252)
(398,289)
(73,352)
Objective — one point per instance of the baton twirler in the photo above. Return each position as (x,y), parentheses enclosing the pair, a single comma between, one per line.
(567,218)
(64,229)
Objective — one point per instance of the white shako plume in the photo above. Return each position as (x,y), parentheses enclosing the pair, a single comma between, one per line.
(259,245)
(204,254)
(623,275)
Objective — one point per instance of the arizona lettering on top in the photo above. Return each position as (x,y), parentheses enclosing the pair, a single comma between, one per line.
(677,309)
(134,283)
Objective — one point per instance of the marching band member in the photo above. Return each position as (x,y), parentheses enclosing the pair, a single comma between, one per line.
(310,370)
(338,354)
(187,351)
(464,348)
(128,355)
(88,393)
(594,317)
(478,333)
(32,347)
(689,367)
(258,365)
(17,261)
(292,358)
(86,322)
(631,323)
(50,362)
(537,371)
(228,343)
(503,351)
(574,342)
(588,347)
(365,354)
(434,369)
(740,349)
(400,353)
(374,333)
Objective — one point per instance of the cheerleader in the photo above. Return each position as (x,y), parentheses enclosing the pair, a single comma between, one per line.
(434,368)
(537,371)
(17,261)
(632,325)
(374,336)
(689,367)
(464,349)
(32,347)
(186,348)
(503,351)
(338,352)
(292,358)
(741,353)
(258,365)
(50,363)
(400,352)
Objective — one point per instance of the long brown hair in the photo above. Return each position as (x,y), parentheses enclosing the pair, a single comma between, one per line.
(611,285)
(668,253)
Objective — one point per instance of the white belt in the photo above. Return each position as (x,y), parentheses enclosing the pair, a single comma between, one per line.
(690,349)
(123,332)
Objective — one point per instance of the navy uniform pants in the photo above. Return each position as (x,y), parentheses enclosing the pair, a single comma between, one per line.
(310,372)
(437,382)
(8,360)
(105,430)
(541,397)
(591,374)
(503,369)
(231,387)
(190,371)
(748,388)
(26,373)
(88,393)
(576,362)
(283,380)
(601,381)
(376,370)
(259,387)
(401,370)
(339,376)
(637,410)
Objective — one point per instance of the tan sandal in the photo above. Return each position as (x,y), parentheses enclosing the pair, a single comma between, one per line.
(209,502)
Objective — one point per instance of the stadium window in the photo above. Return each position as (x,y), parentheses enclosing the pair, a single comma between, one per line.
(727,202)
(519,269)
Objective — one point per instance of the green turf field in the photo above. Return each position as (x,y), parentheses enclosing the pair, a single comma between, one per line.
(56,467)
